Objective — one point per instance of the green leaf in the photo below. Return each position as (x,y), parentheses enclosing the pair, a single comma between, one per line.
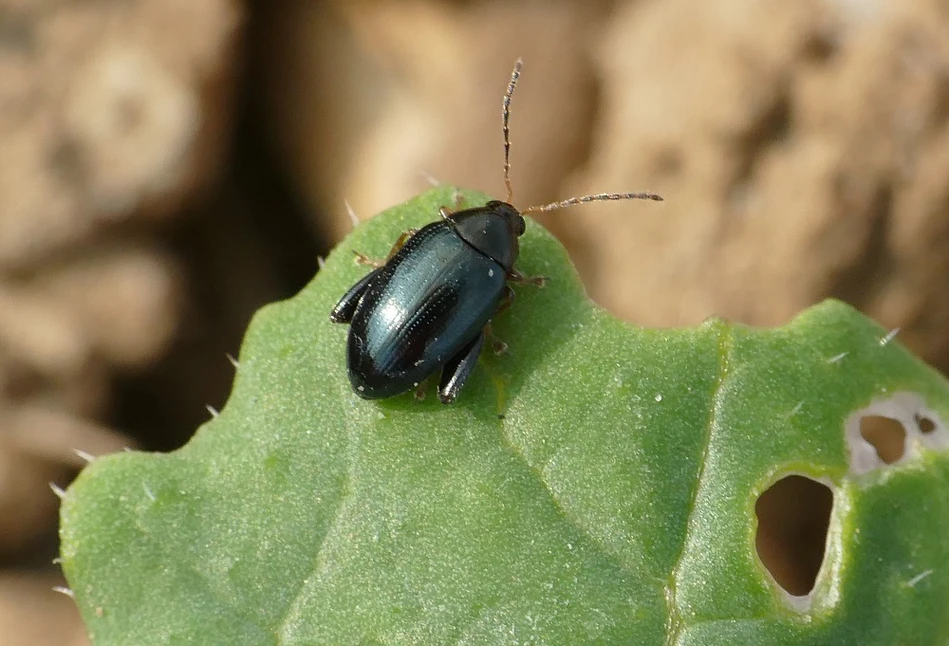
(596,485)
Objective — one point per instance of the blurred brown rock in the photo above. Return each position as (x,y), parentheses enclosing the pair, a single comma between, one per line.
(113,118)
(108,111)
(800,146)
(124,300)
(36,448)
(364,98)
(802,150)
(32,614)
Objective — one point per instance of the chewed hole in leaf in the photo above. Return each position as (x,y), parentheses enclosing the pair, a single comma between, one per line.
(886,435)
(793,518)
(891,431)
(925,425)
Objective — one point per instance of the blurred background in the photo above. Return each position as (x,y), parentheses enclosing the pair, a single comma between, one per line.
(168,166)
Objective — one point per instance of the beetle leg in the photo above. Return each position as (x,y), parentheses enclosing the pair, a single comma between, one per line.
(459,198)
(456,371)
(507,297)
(400,242)
(363,259)
(346,307)
(420,390)
(517,277)
(498,346)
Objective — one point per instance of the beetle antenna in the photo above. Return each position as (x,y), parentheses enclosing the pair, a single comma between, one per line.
(599,197)
(505,116)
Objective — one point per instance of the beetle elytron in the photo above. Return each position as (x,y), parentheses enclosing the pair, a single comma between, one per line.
(427,306)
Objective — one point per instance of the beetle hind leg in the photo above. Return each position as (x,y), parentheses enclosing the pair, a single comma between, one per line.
(457,370)
(346,307)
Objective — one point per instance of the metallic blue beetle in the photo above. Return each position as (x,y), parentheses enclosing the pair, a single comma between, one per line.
(427,307)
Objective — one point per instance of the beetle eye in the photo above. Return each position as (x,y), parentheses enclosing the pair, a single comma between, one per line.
(517,225)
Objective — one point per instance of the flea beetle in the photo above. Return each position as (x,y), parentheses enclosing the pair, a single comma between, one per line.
(428,306)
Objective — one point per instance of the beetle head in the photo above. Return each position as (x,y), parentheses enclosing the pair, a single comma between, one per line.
(492,229)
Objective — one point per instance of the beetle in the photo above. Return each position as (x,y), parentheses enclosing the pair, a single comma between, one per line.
(429,305)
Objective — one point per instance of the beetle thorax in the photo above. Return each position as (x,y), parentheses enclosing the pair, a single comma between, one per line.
(492,229)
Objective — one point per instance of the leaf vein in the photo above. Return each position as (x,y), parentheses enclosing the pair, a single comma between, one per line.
(314,566)
(724,351)
(561,510)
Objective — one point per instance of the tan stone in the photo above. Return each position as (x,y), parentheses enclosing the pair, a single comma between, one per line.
(32,614)
(366,97)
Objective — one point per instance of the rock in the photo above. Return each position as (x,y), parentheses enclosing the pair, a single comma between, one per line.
(125,300)
(37,447)
(113,120)
(802,151)
(800,146)
(32,614)
(365,98)
(108,112)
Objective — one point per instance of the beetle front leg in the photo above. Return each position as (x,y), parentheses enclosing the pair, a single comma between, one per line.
(459,367)
(517,277)
(459,198)
(363,259)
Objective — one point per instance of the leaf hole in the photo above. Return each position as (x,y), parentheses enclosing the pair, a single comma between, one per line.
(793,519)
(893,430)
(886,435)
(924,424)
